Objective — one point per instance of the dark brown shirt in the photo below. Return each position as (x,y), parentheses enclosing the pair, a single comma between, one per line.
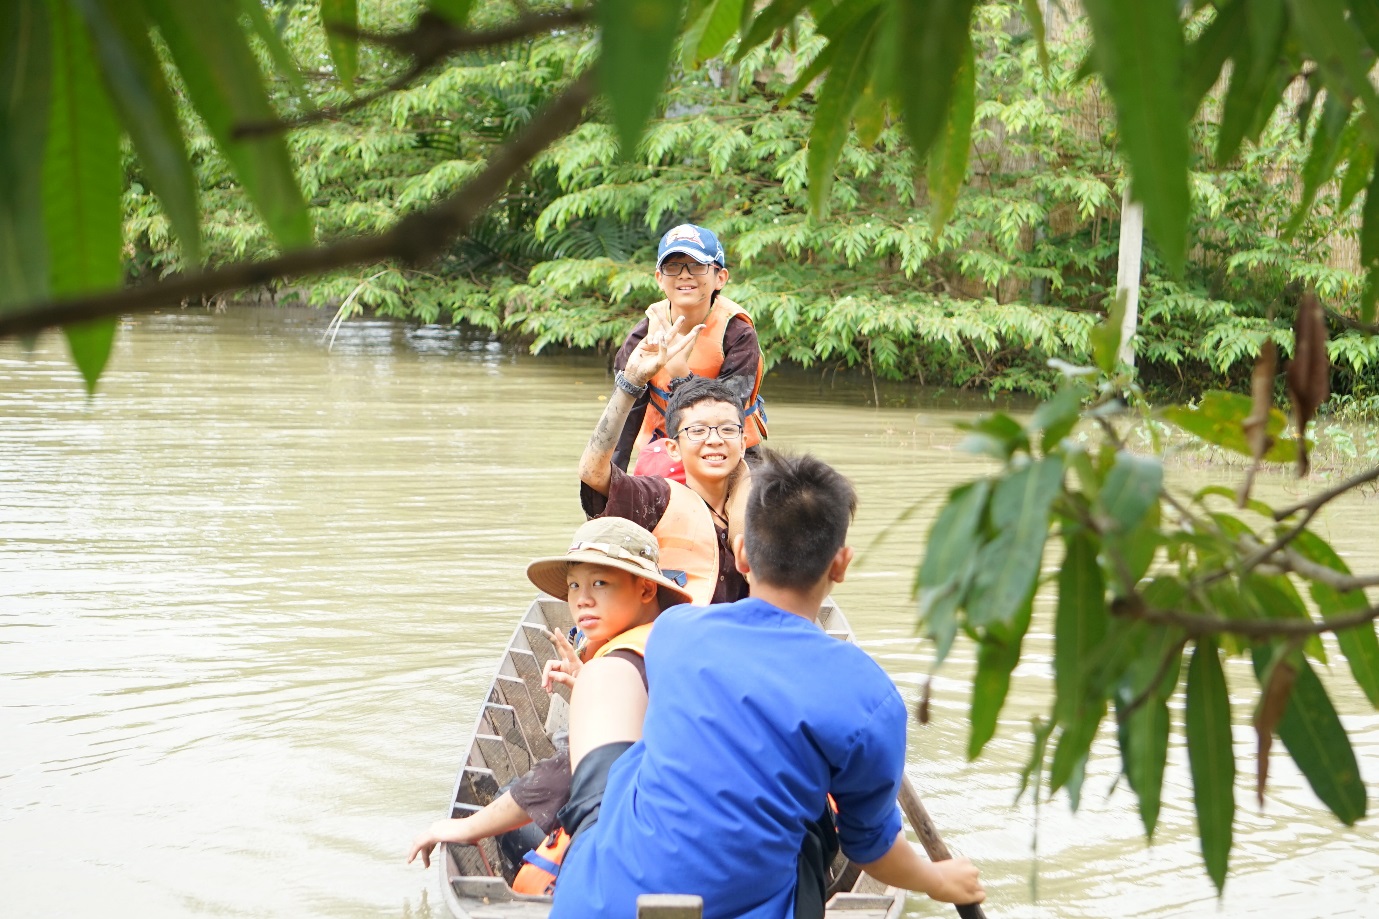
(643,500)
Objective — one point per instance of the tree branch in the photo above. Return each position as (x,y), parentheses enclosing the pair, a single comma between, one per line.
(414,239)
(428,42)
(1195,624)
(1339,580)
(1314,503)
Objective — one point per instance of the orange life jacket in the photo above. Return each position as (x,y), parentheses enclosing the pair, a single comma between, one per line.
(689,542)
(541,866)
(705,361)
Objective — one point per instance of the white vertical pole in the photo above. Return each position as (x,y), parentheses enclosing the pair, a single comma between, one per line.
(1128,271)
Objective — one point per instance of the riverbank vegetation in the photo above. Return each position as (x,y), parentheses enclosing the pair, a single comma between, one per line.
(1018,274)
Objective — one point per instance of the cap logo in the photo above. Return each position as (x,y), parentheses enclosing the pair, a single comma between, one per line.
(684,231)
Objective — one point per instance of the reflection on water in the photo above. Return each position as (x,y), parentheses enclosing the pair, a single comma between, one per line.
(252,593)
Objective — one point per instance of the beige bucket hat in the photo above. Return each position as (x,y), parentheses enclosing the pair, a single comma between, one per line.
(617,543)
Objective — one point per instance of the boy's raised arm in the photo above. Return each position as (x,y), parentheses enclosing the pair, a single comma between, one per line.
(655,351)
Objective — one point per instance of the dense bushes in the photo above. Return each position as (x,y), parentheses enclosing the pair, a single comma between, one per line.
(1019,273)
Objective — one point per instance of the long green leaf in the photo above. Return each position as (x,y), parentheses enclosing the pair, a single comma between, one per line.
(1334,42)
(1217,420)
(638,39)
(277,49)
(25,76)
(1317,741)
(1369,249)
(1009,564)
(1360,645)
(1140,55)
(134,78)
(1211,757)
(1105,335)
(1356,177)
(1132,485)
(1143,732)
(340,18)
(457,11)
(90,344)
(1327,150)
(821,62)
(226,86)
(943,578)
(1208,54)
(998,652)
(776,16)
(838,98)
(1080,627)
(1034,15)
(948,158)
(933,34)
(711,31)
(82,184)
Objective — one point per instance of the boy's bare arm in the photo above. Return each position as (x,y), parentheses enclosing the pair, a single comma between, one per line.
(952,881)
(499,816)
(642,364)
(598,453)
(607,706)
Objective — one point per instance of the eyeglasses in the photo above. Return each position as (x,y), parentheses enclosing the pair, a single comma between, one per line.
(700,432)
(675,269)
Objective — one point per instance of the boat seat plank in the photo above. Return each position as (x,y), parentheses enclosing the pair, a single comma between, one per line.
(557,613)
(477,786)
(514,693)
(496,754)
(468,859)
(543,651)
(505,725)
(670,906)
(852,902)
(529,671)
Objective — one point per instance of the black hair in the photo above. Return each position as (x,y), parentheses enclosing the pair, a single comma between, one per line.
(798,513)
(695,391)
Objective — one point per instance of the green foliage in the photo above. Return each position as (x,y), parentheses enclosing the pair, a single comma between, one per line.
(1136,593)
(1011,265)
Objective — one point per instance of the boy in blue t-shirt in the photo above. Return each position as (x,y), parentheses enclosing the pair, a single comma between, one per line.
(755,717)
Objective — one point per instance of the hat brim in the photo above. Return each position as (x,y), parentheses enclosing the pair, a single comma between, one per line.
(696,254)
(548,574)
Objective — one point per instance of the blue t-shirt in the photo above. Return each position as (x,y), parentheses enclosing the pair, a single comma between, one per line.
(755,715)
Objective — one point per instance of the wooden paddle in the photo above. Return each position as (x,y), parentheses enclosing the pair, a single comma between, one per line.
(918,816)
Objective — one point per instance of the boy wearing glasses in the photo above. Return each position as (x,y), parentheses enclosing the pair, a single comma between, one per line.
(691,270)
(705,425)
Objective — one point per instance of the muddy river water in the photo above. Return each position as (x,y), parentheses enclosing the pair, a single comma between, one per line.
(252,593)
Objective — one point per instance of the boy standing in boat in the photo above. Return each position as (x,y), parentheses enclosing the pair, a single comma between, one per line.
(755,717)
(691,270)
(705,427)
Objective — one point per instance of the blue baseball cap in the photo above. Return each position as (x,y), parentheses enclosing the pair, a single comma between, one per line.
(696,242)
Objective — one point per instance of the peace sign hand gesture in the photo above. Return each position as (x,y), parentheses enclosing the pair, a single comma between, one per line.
(566,669)
(657,349)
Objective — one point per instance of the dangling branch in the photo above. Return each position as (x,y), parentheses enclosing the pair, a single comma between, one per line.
(414,239)
(428,43)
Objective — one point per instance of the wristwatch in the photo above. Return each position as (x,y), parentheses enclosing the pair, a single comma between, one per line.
(621,381)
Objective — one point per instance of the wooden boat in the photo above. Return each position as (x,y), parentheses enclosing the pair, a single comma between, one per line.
(514,731)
